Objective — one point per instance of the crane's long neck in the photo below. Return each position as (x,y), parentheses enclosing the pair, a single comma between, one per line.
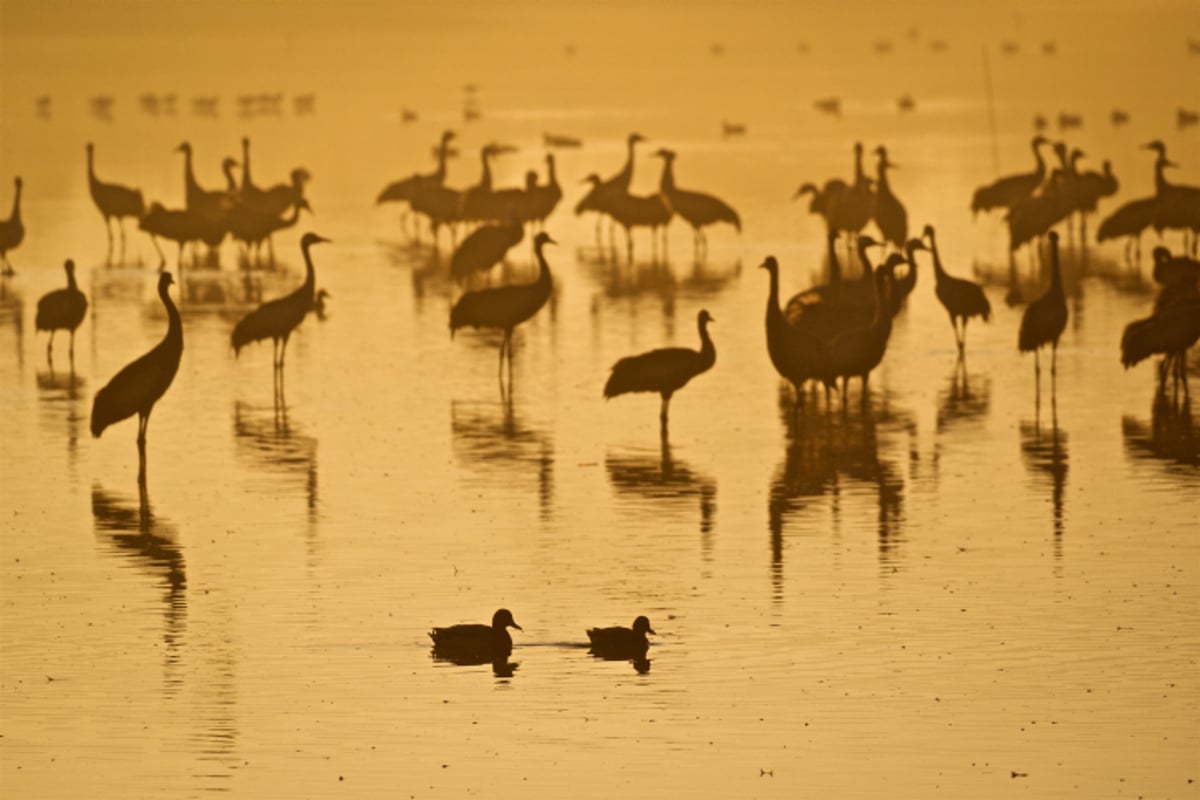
(310,275)
(189,178)
(551,175)
(938,269)
(868,269)
(667,182)
(245,164)
(859,176)
(91,167)
(773,311)
(1041,162)
(1056,282)
(882,180)
(835,266)
(1160,179)
(230,181)
(174,337)
(625,176)
(486,180)
(440,174)
(16,212)
(543,279)
(707,351)
(71,284)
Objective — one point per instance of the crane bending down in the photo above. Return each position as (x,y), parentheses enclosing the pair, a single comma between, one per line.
(62,309)
(666,370)
(506,307)
(1045,318)
(137,387)
(276,319)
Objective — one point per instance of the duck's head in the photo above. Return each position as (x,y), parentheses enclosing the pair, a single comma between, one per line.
(642,624)
(503,618)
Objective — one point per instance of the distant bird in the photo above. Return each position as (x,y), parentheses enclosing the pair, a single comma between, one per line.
(557,140)
(1008,191)
(482,642)
(276,319)
(696,208)
(797,354)
(730,129)
(114,201)
(61,309)
(829,105)
(890,214)
(621,643)
(506,307)
(1045,318)
(961,298)
(906,104)
(12,232)
(1119,117)
(1185,118)
(483,248)
(137,387)
(665,371)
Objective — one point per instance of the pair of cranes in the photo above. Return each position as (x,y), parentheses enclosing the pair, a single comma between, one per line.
(1171,207)
(848,207)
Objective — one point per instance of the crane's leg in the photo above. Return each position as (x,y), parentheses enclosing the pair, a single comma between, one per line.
(865,394)
(962,346)
(50,351)
(271,248)
(1037,373)
(628,245)
(71,351)
(121,225)
(500,364)
(282,351)
(162,259)
(662,416)
(143,421)
(274,353)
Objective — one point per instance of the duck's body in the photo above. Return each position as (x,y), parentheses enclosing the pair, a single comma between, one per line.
(476,643)
(621,643)
(62,309)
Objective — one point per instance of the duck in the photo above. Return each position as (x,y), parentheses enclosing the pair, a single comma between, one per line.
(474,641)
(619,643)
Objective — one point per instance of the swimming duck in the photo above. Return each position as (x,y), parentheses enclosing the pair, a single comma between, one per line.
(475,643)
(621,643)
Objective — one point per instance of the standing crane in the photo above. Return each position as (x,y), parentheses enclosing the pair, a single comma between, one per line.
(697,208)
(889,212)
(961,298)
(665,371)
(114,201)
(1045,319)
(61,309)
(1011,189)
(12,232)
(506,307)
(137,387)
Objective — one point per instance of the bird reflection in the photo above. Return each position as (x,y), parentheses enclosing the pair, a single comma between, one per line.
(836,454)
(665,483)
(965,398)
(273,443)
(1045,454)
(1169,436)
(488,435)
(60,395)
(12,309)
(149,543)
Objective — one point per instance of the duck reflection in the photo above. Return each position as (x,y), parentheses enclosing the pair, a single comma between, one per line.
(268,441)
(149,543)
(501,666)
(1044,451)
(658,483)
(1169,436)
(835,454)
(486,436)
(965,399)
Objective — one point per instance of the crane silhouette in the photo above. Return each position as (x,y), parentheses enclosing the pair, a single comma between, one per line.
(276,319)
(856,352)
(181,227)
(902,287)
(603,190)
(829,307)
(697,208)
(666,370)
(961,298)
(1011,189)
(405,190)
(506,307)
(1045,319)
(1091,187)
(1130,220)
(137,387)
(545,198)
(1169,331)
(61,309)
(114,201)
(796,353)
(889,212)
(252,227)
(12,231)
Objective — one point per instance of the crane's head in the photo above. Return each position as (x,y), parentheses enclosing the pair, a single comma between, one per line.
(770,265)
(664,153)
(927,232)
(503,618)
(228,164)
(301,176)
(1053,238)
(69,266)
(530,179)
(310,239)
(889,266)
(1077,154)
(593,179)
(447,135)
(1040,140)
(164,280)
(914,244)
(1060,150)
(1161,255)
(806,188)
(703,318)
(634,138)
(866,241)
(1157,146)
(184,147)
(90,147)
(18,182)
(858,148)
(543,239)
(642,624)
(245,142)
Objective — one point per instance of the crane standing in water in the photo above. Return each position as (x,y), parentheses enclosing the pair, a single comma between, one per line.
(12,230)
(137,387)
(506,307)
(961,298)
(276,319)
(114,201)
(62,309)
(697,208)
(1045,319)
(665,371)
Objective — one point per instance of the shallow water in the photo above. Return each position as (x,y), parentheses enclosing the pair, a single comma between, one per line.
(958,589)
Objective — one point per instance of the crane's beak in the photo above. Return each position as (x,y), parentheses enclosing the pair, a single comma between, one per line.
(1170,163)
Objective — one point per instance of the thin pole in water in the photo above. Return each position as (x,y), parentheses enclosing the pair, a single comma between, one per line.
(991,103)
